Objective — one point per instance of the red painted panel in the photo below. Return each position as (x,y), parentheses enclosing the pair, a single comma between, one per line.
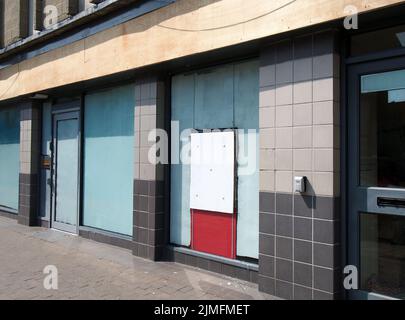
(214,233)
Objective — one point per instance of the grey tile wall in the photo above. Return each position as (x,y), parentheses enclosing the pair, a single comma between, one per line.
(29,162)
(299,136)
(149,229)
(239,272)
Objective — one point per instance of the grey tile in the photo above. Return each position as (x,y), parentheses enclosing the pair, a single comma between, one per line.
(267,202)
(268,56)
(156,221)
(267,285)
(284,203)
(267,223)
(266,244)
(303,228)
(302,293)
(284,51)
(156,237)
(324,43)
(229,270)
(284,270)
(253,276)
(135,248)
(284,225)
(142,250)
(320,295)
(215,266)
(141,203)
(326,255)
(303,47)
(266,266)
(303,251)
(191,260)
(142,187)
(303,274)
(324,231)
(303,206)
(142,236)
(242,274)
(179,257)
(326,207)
(156,204)
(284,248)
(284,290)
(141,219)
(267,73)
(326,279)
(325,66)
(156,188)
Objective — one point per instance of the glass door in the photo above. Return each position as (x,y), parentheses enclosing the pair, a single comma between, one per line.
(65,189)
(376,178)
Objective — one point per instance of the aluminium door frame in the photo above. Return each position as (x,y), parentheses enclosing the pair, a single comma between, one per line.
(363,199)
(61,110)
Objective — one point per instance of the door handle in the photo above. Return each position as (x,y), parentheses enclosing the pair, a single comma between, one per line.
(390,202)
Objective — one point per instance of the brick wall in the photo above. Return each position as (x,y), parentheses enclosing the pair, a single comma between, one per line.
(1,24)
(15,25)
(65,8)
(299,136)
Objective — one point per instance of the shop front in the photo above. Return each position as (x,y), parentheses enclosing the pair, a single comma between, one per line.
(87,162)
(376,163)
(215,205)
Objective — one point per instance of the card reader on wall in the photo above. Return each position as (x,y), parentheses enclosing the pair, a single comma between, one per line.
(300,184)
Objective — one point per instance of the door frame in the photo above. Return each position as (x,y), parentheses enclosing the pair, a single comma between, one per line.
(68,110)
(363,199)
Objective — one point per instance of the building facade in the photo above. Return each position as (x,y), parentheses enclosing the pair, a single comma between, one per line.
(103,102)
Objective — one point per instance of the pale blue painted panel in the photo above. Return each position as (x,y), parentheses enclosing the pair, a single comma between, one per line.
(247,117)
(9,157)
(109,160)
(214,98)
(384,81)
(183,112)
(67,160)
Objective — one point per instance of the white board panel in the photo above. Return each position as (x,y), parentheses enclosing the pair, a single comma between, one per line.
(212,186)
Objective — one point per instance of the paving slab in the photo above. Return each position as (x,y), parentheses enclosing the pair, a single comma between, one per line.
(90,270)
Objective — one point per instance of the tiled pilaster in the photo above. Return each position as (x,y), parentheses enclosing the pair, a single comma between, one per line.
(299,136)
(29,163)
(149,216)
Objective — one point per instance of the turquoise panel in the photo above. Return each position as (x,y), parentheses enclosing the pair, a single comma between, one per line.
(247,117)
(9,157)
(214,98)
(67,159)
(183,112)
(384,81)
(109,160)
(223,97)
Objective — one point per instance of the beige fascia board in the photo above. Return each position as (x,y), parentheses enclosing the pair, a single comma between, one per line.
(183,28)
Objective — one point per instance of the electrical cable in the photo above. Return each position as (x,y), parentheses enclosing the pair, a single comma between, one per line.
(230,25)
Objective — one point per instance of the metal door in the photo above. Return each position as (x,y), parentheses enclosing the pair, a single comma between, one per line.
(65,178)
(376,178)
